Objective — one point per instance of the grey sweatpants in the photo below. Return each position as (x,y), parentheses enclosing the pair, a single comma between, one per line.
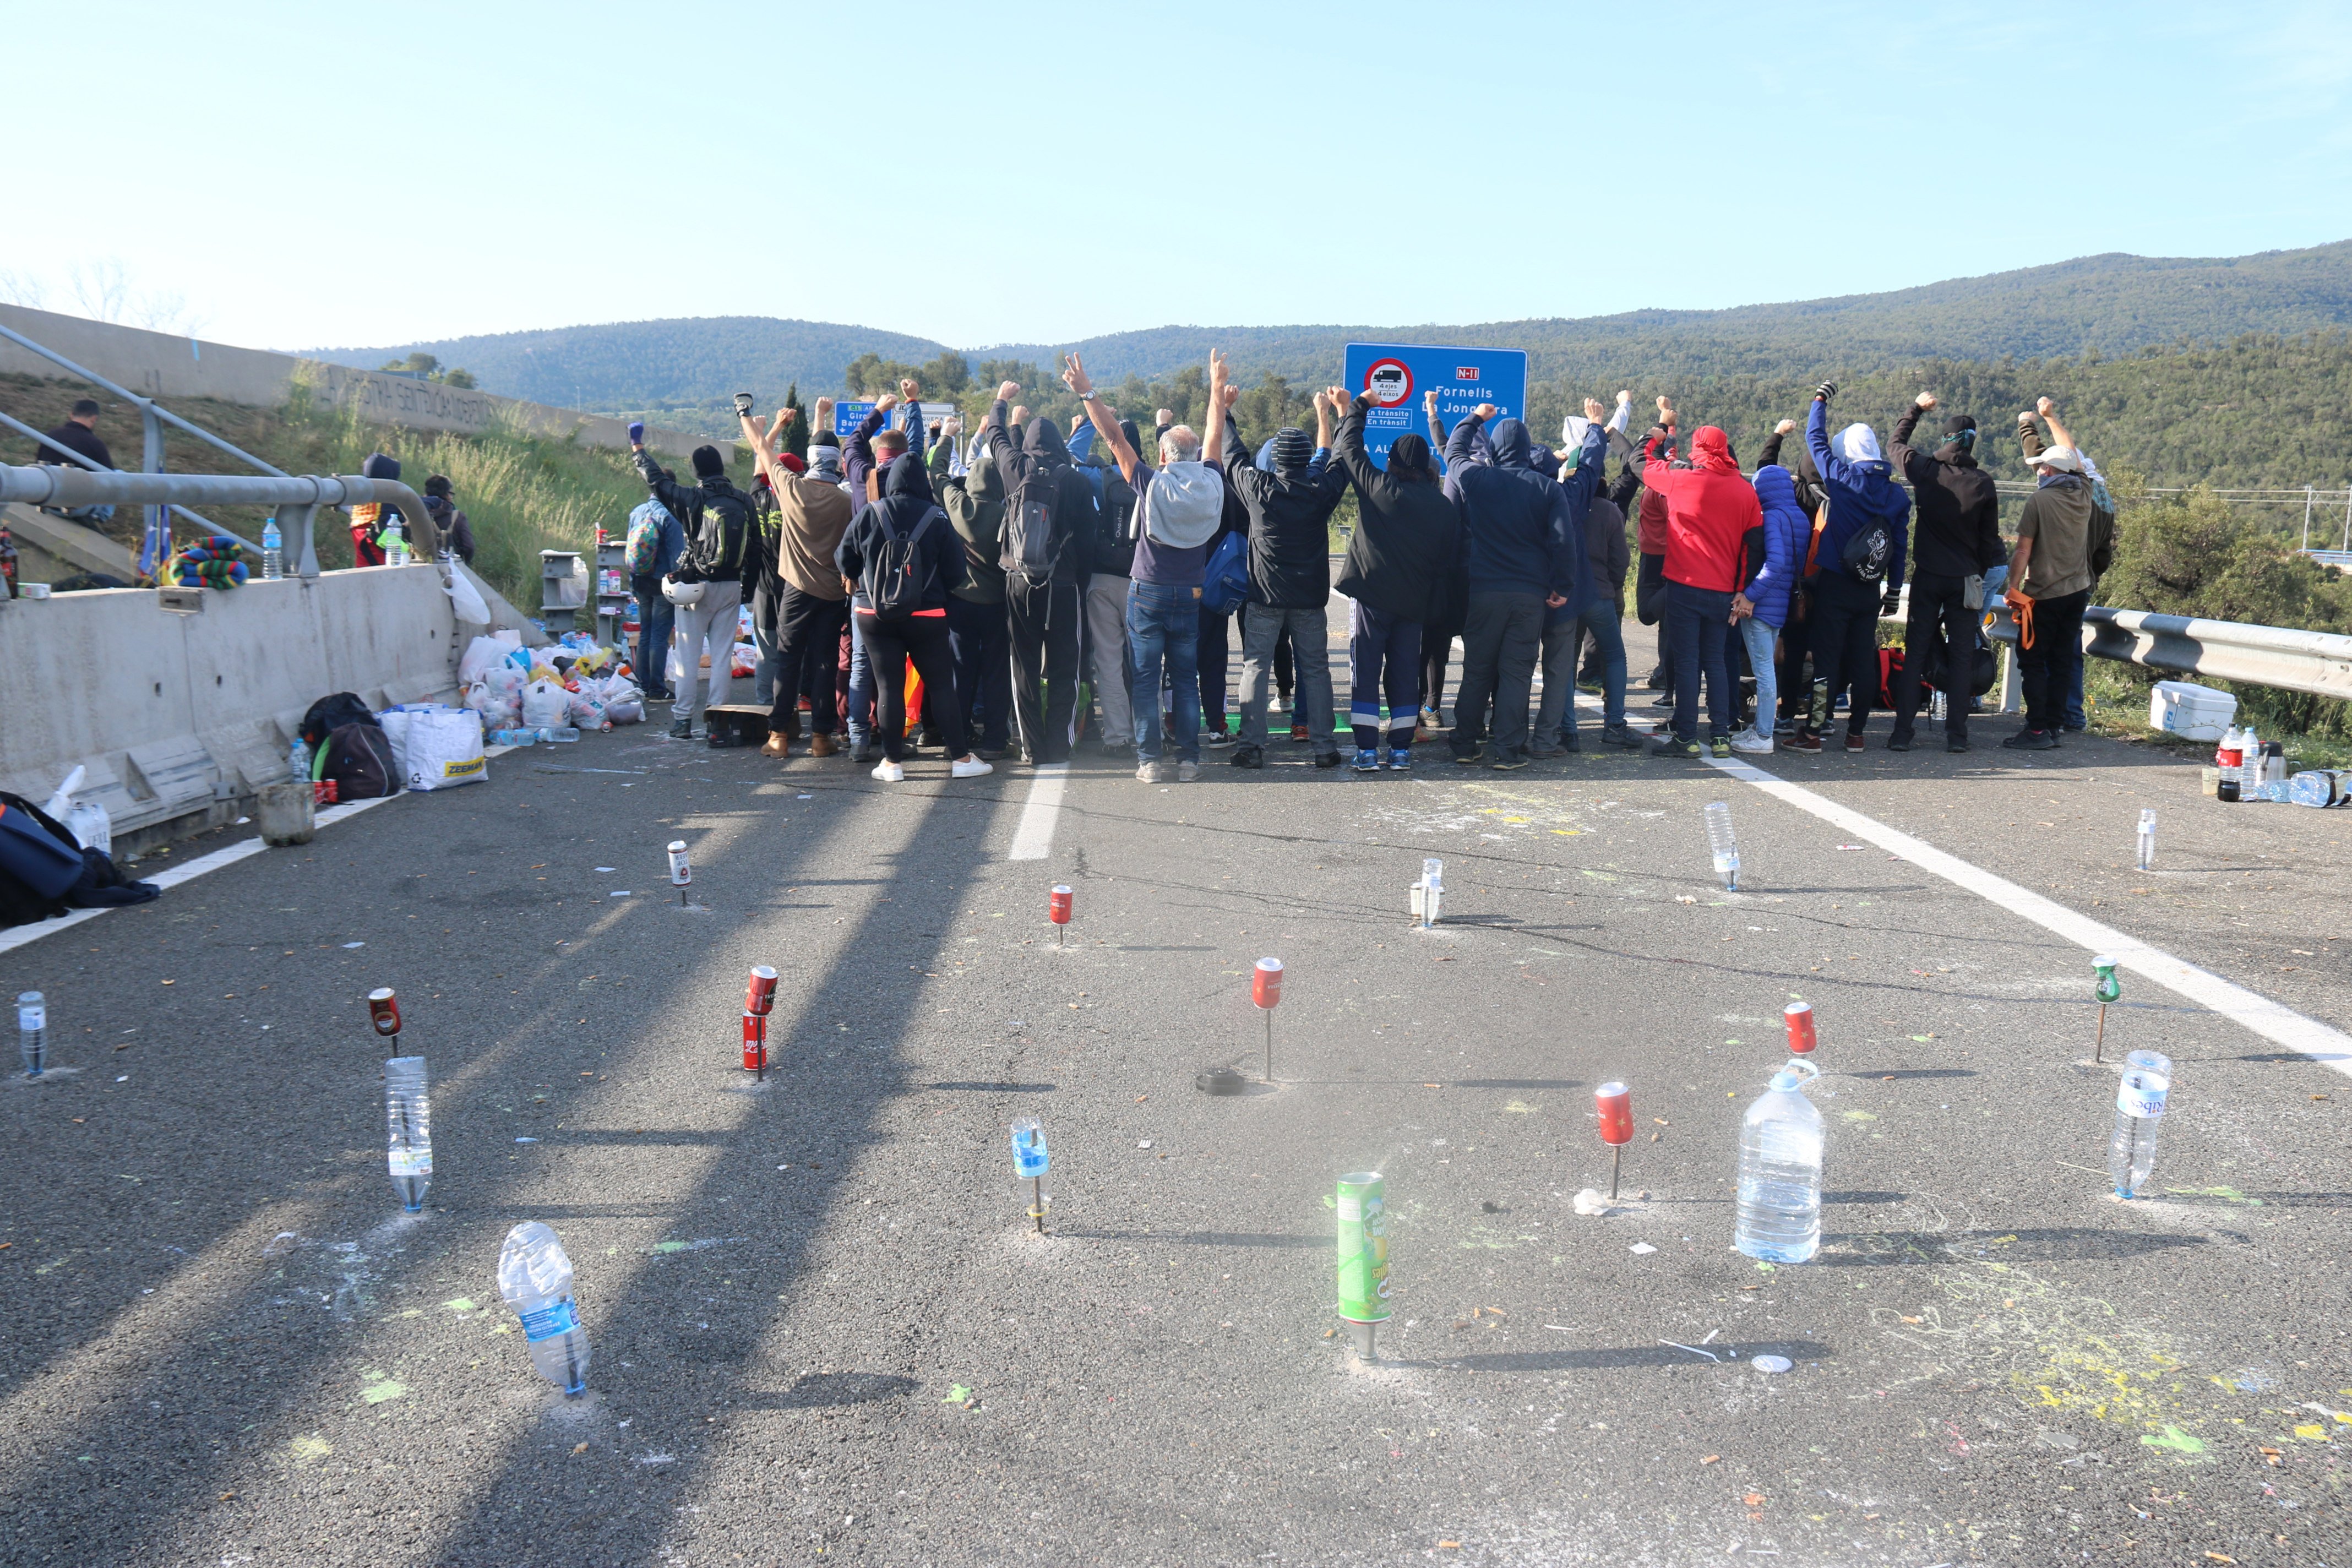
(1106,636)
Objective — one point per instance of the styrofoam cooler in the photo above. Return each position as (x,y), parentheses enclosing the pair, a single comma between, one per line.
(2192,711)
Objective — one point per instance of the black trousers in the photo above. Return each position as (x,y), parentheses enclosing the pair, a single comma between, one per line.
(1212,656)
(1845,643)
(1937,620)
(1043,621)
(1436,653)
(808,647)
(1650,608)
(888,646)
(2046,671)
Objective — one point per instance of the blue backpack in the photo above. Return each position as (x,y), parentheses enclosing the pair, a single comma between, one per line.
(1225,583)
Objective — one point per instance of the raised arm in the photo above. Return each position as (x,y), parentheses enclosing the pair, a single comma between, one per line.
(1102,420)
(2059,434)
(1212,439)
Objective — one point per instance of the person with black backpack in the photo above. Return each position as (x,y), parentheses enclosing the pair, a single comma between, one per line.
(1049,523)
(977,638)
(708,584)
(898,561)
(1956,542)
(1112,559)
(1857,569)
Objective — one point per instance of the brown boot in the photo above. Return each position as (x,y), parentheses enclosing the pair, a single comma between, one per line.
(824,746)
(777,746)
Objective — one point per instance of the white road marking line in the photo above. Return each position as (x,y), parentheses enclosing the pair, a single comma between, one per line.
(2273,1021)
(1032,837)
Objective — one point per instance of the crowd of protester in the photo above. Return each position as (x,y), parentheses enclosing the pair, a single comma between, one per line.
(1043,582)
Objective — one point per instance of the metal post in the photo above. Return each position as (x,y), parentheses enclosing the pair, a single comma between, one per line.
(2348,518)
(304,519)
(2099,1045)
(1616,1160)
(156,547)
(2307,515)
(1037,1202)
(1269,1044)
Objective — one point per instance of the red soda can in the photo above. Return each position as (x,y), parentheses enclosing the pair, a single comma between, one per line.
(760,996)
(1057,906)
(1615,1103)
(755,1042)
(383,1011)
(323,792)
(1265,983)
(1801,1036)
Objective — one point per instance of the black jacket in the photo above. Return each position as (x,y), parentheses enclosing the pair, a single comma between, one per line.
(715,517)
(1407,535)
(907,509)
(1289,532)
(1958,529)
(1075,511)
(76,437)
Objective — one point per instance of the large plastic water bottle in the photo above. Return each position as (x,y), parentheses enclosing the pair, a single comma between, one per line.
(2139,1106)
(535,1278)
(1778,1218)
(1721,844)
(2148,838)
(408,1118)
(273,551)
(32,1031)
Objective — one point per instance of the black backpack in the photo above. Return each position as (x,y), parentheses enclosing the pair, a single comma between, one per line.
(1115,548)
(360,761)
(899,572)
(330,714)
(1032,515)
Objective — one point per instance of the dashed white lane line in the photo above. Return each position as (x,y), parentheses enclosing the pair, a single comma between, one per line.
(2273,1021)
(1033,836)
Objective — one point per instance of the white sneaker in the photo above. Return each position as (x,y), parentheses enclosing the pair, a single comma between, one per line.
(968,767)
(1749,740)
(1187,773)
(889,772)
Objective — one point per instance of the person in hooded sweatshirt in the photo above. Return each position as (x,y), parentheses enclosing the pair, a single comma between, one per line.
(1710,511)
(1867,510)
(715,516)
(1774,556)
(1043,613)
(1796,633)
(1958,537)
(369,519)
(1600,619)
(796,564)
(1523,545)
(898,559)
(1408,532)
(978,639)
(1290,576)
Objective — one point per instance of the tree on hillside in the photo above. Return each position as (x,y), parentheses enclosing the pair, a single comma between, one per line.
(796,433)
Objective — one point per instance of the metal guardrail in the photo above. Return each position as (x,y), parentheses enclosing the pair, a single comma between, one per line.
(297,500)
(2280,657)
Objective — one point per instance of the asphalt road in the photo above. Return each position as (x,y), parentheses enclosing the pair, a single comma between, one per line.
(823,1326)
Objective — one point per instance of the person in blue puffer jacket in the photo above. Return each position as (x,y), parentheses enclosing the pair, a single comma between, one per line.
(1776,552)
(1849,595)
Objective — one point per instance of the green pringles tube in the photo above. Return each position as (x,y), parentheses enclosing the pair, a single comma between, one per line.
(1363,1256)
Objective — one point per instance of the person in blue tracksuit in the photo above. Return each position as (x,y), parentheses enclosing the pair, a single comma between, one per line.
(1849,597)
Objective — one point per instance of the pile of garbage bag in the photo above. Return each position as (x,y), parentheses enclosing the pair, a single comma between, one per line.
(573,682)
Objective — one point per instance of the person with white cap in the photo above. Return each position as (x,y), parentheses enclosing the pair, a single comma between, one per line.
(2065,539)
(1857,569)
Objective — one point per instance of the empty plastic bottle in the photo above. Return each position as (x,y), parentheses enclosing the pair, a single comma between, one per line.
(535,1278)
(1432,889)
(408,1118)
(2250,766)
(32,1032)
(1721,844)
(1782,1142)
(298,761)
(558,732)
(2148,838)
(394,541)
(514,736)
(273,551)
(2139,1106)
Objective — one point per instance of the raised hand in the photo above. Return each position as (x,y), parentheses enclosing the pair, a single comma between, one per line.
(1074,376)
(636,432)
(825,410)
(1485,411)
(1786,426)
(1926,401)
(910,391)
(2044,406)
(1232,395)
(1593,411)
(1007,391)
(1218,373)
(1624,399)
(1429,400)
(1163,416)
(886,402)
(1342,399)
(1825,392)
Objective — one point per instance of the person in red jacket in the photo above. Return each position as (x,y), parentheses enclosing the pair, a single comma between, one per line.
(1710,509)
(1650,581)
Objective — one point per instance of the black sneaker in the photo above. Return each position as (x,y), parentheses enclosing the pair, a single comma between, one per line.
(682,730)
(1517,757)
(1899,742)
(2031,741)
(1667,746)
(1663,700)
(1955,742)
(1247,757)
(1470,759)
(1327,759)
(1568,742)
(1619,735)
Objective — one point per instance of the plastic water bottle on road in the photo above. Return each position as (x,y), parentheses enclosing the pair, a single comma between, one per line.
(395,543)
(2148,838)
(1722,844)
(273,551)
(32,1032)
(2140,1101)
(408,1118)
(1781,1143)
(298,761)
(535,1279)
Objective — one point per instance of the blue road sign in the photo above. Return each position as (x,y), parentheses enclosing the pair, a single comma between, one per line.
(1397,375)
(848,415)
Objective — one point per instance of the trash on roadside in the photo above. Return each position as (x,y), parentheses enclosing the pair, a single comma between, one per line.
(1778,1214)
(2141,1099)
(408,1118)
(1771,1364)
(32,1032)
(1614,1103)
(1721,844)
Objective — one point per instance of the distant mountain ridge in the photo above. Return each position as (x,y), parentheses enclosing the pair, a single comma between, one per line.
(2111,304)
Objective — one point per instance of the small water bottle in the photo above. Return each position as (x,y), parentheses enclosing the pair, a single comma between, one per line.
(535,1279)
(2250,766)
(1432,889)
(298,761)
(273,551)
(514,736)
(408,1118)
(2148,838)
(1781,1143)
(32,1032)
(1721,844)
(2139,1106)
(555,732)
(395,540)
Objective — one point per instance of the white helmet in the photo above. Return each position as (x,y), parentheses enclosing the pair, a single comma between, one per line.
(685,596)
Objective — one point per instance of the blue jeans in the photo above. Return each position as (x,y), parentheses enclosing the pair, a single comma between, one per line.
(1699,621)
(655,621)
(1563,639)
(1383,659)
(981,645)
(1758,639)
(1163,629)
(861,685)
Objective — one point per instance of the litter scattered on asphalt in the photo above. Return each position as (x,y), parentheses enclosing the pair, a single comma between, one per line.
(354,944)
(1772,1363)
(1694,1350)
(1640,1249)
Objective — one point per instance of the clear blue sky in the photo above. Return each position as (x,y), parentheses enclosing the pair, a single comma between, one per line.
(1001,172)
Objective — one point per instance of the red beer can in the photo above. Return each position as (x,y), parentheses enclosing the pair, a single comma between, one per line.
(1058,906)
(1614,1101)
(1265,983)
(755,1042)
(760,996)
(383,1011)
(1802,1036)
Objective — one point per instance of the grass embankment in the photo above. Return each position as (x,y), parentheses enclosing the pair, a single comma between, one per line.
(523,493)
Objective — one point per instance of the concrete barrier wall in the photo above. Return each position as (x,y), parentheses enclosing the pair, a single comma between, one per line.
(162,367)
(178,717)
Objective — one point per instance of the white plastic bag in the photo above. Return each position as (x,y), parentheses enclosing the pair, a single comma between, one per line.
(744,660)
(467,599)
(445,749)
(544,704)
(483,653)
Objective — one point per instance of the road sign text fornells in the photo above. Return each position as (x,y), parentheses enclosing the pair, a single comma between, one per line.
(1782,1137)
